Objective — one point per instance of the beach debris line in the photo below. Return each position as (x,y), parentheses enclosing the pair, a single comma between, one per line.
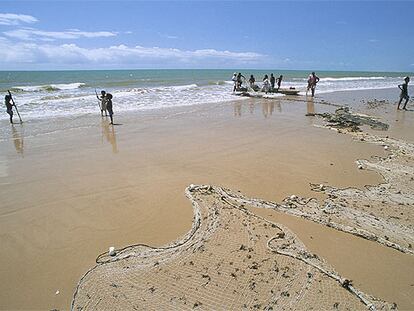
(344,119)
(375,103)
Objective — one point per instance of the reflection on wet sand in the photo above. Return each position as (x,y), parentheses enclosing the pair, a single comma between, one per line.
(237,109)
(310,105)
(17,140)
(310,108)
(268,107)
(251,107)
(109,132)
(278,106)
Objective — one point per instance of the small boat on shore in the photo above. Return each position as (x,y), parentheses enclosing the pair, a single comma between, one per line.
(289,91)
(261,94)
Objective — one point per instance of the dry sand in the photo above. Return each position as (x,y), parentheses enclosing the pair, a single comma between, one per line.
(71,190)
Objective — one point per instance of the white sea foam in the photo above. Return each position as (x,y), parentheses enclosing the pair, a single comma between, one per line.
(56,100)
(68,86)
(39,103)
(49,87)
(352,78)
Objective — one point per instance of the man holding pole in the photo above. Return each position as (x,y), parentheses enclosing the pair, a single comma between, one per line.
(9,106)
(102,100)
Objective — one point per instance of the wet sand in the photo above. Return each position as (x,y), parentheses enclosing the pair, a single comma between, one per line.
(77,187)
(372,268)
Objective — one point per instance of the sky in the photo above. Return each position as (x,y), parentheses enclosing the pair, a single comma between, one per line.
(318,35)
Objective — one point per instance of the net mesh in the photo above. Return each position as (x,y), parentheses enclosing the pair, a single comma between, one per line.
(232,259)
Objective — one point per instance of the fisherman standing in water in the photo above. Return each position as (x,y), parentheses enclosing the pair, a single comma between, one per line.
(9,107)
(252,84)
(108,103)
(266,84)
(312,81)
(272,81)
(279,82)
(234,79)
(102,100)
(404,93)
(239,80)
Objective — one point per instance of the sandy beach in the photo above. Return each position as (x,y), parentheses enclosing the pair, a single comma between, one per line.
(72,188)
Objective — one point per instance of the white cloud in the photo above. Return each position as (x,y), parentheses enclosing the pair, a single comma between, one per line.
(373,40)
(23,53)
(16,19)
(35,34)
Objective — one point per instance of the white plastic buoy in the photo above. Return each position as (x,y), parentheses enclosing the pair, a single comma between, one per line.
(57,292)
(321,186)
(112,251)
(386,147)
(360,167)
(293,197)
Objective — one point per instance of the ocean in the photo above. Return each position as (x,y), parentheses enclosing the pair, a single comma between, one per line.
(50,94)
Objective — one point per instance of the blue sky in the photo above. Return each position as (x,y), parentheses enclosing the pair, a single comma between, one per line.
(326,35)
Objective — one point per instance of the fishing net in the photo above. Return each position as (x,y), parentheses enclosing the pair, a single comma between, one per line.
(232,259)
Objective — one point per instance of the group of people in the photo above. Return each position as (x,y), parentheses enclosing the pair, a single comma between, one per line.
(105,101)
(105,104)
(269,84)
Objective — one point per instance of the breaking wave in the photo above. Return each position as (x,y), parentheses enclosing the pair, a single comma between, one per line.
(49,87)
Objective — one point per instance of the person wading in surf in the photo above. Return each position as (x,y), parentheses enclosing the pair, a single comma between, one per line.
(240,78)
(109,106)
(266,84)
(279,82)
(9,107)
(252,84)
(234,79)
(272,81)
(102,100)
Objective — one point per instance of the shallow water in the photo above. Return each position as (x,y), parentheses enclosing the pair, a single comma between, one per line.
(56,94)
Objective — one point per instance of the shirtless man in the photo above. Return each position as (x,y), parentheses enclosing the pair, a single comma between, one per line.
(404,93)
(312,81)
(279,82)
(240,78)
(9,107)
(272,81)
(102,100)
(108,103)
